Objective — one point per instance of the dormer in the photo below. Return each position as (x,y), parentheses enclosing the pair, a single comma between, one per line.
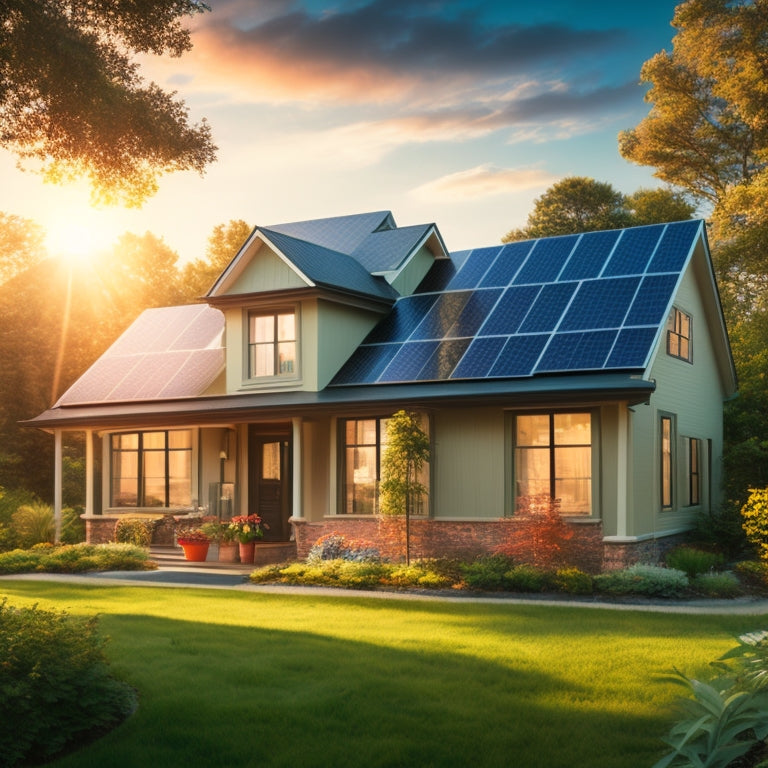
(297,308)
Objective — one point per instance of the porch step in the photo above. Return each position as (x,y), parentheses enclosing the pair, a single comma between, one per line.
(269,552)
(266,553)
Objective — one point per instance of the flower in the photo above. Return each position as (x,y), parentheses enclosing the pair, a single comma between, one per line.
(218,530)
(246,528)
(191,536)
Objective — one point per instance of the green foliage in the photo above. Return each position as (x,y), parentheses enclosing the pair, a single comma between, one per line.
(751,656)
(406,452)
(720,530)
(573,581)
(76,558)
(526,578)
(754,574)
(34,524)
(640,579)
(55,684)
(135,530)
(721,585)
(755,521)
(488,572)
(720,726)
(11,500)
(693,561)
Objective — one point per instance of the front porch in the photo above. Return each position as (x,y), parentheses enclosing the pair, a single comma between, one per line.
(266,554)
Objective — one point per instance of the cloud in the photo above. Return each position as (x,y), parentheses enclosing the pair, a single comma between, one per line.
(383,50)
(483,181)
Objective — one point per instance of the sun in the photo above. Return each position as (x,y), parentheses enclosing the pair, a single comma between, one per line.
(78,237)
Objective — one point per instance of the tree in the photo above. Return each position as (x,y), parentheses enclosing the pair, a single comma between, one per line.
(578,204)
(706,130)
(404,456)
(72,100)
(572,205)
(223,244)
(21,245)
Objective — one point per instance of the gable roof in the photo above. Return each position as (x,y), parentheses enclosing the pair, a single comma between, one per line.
(577,303)
(386,250)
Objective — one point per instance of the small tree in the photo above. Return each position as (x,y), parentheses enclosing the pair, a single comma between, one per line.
(405,454)
(755,514)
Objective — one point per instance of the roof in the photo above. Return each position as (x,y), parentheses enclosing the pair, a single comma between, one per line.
(577,303)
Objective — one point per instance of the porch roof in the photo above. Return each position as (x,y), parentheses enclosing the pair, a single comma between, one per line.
(517,393)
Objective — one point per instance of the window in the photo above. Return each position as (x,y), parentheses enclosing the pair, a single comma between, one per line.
(152,469)
(272,344)
(364,442)
(694,471)
(679,335)
(666,462)
(553,456)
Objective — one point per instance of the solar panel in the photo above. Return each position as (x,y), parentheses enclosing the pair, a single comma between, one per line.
(587,302)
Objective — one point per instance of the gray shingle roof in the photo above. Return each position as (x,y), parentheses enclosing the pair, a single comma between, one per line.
(386,250)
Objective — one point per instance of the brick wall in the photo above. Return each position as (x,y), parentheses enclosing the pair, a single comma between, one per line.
(446,538)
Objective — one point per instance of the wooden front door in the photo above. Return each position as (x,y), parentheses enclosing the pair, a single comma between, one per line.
(269,486)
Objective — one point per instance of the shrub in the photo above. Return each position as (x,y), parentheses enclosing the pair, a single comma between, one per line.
(487,572)
(717,585)
(135,530)
(755,520)
(72,526)
(526,578)
(639,579)
(693,561)
(11,500)
(573,581)
(752,573)
(33,524)
(55,684)
(721,530)
(335,546)
(419,574)
(76,558)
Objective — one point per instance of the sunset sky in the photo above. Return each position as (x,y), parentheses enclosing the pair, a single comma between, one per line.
(458,113)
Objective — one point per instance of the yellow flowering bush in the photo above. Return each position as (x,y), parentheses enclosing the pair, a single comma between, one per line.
(755,520)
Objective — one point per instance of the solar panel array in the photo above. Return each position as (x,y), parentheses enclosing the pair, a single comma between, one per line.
(165,353)
(589,302)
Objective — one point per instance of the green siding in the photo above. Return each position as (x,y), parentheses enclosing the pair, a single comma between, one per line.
(414,271)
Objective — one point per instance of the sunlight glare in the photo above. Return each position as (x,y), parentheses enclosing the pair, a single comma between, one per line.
(78,239)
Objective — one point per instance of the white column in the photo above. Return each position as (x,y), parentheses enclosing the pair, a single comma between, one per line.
(298,507)
(622,439)
(89,472)
(57,471)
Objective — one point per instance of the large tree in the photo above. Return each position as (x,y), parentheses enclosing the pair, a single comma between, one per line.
(578,204)
(72,100)
(21,245)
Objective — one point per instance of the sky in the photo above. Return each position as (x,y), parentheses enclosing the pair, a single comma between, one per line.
(460,113)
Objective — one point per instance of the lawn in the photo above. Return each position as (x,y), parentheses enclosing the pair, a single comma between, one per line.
(229,678)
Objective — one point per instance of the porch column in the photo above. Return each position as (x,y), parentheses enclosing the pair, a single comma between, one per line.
(89,472)
(622,440)
(57,472)
(298,506)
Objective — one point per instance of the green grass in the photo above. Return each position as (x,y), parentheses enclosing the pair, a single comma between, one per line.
(246,679)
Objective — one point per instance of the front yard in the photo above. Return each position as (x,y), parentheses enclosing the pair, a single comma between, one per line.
(236,678)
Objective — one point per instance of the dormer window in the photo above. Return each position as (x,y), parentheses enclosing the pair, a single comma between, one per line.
(272,344)
(679,335)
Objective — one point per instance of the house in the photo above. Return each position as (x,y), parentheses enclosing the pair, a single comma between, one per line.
(592,368)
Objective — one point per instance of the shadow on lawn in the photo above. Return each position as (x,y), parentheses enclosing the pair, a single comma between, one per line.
(223,695)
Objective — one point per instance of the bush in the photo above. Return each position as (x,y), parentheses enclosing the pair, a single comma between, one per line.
(721,531)
(526,578)
(755,521)
(717,585)
(693,561)
(55,684)
(752,573)
(135,530)
(72,526)
(34,524)
(648,580)
(487,572)
(10,501)
(335,546)
(573,581)
(76,558)
(418,574)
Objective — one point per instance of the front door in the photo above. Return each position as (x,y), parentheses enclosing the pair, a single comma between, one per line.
(269,486)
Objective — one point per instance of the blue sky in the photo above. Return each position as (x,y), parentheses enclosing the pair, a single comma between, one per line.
(459,113)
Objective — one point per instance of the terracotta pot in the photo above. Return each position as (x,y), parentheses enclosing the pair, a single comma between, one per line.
(247,551)
(228,552)
(196,551)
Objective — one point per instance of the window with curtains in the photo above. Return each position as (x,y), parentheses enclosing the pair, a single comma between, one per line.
(363,444)
(151,469)
(553,456)
(272,344)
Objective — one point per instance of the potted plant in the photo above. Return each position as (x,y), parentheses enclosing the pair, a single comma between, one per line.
(223,534)
(246,529)
(194,542)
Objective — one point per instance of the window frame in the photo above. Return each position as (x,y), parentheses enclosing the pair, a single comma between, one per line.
(694,469)
(677,337)
(667,462)
(274,313)
(552,448)
(379,446)
(143,452)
